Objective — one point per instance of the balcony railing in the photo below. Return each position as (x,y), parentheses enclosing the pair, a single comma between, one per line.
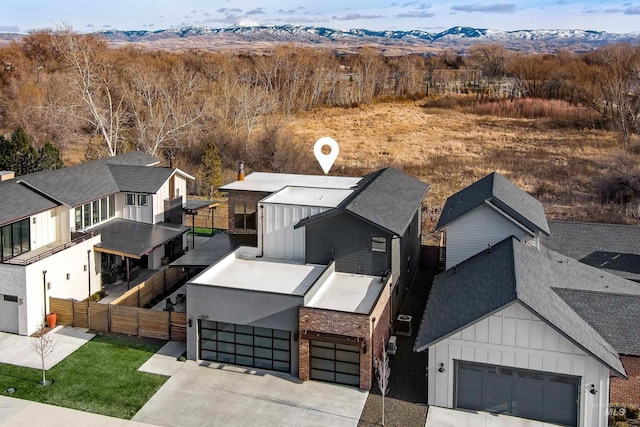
(19,260)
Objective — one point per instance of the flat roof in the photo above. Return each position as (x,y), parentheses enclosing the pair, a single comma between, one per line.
(306,196)
(354,293)
(242,270)
(272,182)
(214,249)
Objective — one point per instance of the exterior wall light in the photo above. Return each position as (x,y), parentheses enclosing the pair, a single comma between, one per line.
(441,368)
(593,390)
(364,347)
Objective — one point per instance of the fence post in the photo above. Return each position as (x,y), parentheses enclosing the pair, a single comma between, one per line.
(73,313)
(88,314)
(169,324)
(139,294)
(108,317)
(164,280)
(138,321)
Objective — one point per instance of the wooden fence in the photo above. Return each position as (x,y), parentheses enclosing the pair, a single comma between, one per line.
(158,284)
(121,319)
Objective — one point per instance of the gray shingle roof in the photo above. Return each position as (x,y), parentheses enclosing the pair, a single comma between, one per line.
(18,202)
(500,192)
(512,271)
(82,183)
(612,247)
(136,238)
(615,316)
(139,179)
(387,198)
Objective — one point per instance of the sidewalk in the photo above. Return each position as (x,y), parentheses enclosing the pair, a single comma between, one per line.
(16,349)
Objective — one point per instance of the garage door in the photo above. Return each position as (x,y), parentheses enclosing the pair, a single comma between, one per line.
(536,395)
(336,363)
(245,345)
(9,313)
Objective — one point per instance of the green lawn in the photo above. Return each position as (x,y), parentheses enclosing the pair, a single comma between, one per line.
(100,377)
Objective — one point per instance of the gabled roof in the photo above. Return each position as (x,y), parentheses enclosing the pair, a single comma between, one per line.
(75,185)
(510,272)
(387,198)
(612,247)
(18,202)
(496,191)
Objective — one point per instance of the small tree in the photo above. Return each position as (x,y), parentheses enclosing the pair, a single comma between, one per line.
(383,372)
(49,157)
(211,169)
(43,345)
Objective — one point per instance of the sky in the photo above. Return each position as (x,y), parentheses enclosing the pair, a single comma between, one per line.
(99,15)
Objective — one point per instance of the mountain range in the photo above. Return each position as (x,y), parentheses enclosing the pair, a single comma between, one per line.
(459,38)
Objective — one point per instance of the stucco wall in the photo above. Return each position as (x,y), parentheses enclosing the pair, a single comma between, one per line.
(515,337)
(267,310)
(13,282)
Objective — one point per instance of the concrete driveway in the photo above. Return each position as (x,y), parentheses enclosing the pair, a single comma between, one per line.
(444,417)
(212,394)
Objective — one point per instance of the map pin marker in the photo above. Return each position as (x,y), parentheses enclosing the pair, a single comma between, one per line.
(326,160)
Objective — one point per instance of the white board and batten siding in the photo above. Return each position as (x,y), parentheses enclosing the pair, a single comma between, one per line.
(515,337)
(473,232)
(278,238)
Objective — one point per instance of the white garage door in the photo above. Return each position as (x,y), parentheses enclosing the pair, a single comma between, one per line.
(9,313)
(540,396)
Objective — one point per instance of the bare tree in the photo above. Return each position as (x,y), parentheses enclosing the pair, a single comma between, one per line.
(383,372)
(43,344)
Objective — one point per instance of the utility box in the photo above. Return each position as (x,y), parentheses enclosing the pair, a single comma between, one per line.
(392,345)
(403,326)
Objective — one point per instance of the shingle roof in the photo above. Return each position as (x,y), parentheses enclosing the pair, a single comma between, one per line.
(138,179)
(82,183)
(136,238)
(513,271)
(18,202)
(495,190)
(612,247)
(615,316)
(388,198)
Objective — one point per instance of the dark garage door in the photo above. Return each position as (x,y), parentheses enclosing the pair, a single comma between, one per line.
(336,363)
(540,396)
(245,345)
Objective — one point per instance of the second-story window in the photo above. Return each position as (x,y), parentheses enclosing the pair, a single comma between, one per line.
(245,215)
(15,239)
(378,244)
(142,200)
(130,199)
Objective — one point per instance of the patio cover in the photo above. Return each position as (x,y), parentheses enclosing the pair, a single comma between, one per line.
(133,239)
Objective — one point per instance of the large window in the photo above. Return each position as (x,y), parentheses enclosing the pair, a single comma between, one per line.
(378,244)
(95,212)
(245,216)
(536,395)
(15,239)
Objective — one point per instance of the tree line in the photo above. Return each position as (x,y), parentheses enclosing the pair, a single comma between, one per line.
(71,88)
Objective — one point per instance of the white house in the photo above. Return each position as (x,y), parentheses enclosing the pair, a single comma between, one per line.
(58,228)
(507,327)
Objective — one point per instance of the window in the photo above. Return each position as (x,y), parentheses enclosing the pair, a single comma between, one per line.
(112,206)
(142,200)
(95,212)
(78,218)
(87,214)
(245,216)
(15,239)
(378,244)
(130,199)
(103,209)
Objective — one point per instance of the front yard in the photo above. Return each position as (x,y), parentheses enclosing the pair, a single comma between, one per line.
(100,377)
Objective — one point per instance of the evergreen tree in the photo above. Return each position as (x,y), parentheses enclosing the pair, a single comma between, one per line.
(49,157)
(24,158)
(212,169)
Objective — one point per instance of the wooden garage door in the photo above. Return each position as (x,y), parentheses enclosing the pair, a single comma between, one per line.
(9,313)
(336,363)
(541,396)
(245,345)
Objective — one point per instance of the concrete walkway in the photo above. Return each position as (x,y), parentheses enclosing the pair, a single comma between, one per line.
(444,417)
(16,349)
(23,413)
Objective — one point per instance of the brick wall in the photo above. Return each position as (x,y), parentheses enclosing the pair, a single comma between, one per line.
(352,325)
(242,196)
(627,392)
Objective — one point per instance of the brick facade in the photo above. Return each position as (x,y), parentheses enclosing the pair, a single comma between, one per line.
(370,330)
(627,392)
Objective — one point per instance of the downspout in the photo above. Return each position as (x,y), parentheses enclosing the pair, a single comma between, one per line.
(261,248)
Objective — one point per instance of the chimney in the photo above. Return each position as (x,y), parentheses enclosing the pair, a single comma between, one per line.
(7,175)
(241,170)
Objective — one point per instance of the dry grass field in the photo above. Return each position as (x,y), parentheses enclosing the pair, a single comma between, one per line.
(450,149)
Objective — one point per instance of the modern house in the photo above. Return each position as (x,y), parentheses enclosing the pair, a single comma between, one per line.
(515,327)
(315,298)
(61,229)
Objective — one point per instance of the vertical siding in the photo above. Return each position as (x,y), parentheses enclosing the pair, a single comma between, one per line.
(279,238)
(473,232)
(515,337)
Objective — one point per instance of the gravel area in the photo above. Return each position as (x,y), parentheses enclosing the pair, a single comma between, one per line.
(405,403)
